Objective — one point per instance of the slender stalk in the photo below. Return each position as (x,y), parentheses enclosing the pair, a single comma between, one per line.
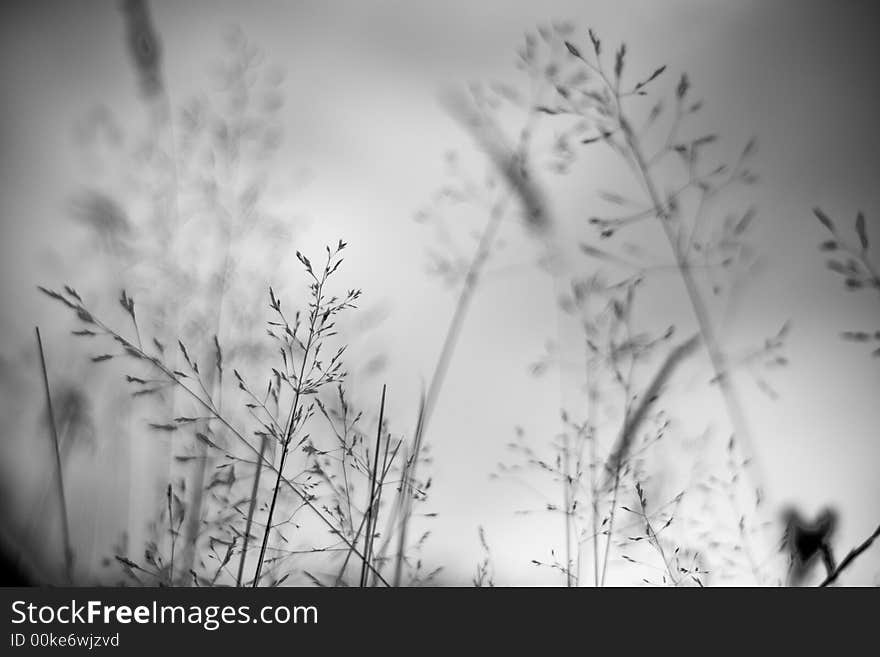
(450,341)
(345,480)
(172,535)
(849,558)
(368,537)
(210,408)
(405,506)
(65,525)
(610,526)
(566,500)
(511,165)
(655,540)
(277,486)
(396,511)
(592,394)
(174,378)
(357,534)
(304,498)
(251,508)
(717,356)
(291,423)
(386,465)
(623,440)
(197,483)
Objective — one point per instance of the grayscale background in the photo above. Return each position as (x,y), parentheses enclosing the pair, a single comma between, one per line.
(359,143)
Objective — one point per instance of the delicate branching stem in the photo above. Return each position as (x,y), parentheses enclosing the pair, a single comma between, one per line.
(291,423)
(717,356)
(208,405)
(655,539)
(642,167)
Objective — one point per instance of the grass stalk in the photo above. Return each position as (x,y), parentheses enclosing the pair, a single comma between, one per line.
(592,395)
(288,435)
(510,163)
(75,304)
(59,475)
(849,558)
(251,508)
(567,502)
(172,533)
(374,477)
(716,354)
(610,531)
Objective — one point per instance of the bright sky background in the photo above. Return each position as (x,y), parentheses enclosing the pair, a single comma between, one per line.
(364,145)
